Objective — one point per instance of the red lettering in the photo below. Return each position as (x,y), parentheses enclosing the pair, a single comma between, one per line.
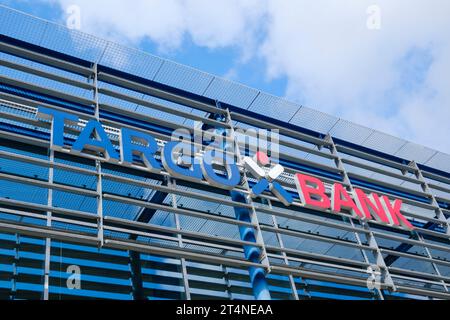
(371,203)
(317,189)
(312,194)
(394,211)
(341,199)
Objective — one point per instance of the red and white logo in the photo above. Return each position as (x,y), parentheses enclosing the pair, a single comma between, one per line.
(266,181)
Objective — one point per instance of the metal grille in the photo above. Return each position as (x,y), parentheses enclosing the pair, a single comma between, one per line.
(59,210)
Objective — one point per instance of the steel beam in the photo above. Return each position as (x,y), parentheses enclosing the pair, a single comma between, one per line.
(387,279)
(286,260)
(49,224)
(172,184)
(144,217)
(44,59)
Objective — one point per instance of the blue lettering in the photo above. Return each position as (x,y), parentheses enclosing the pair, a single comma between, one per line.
(233,175)
(57,129)
(176,170)
(135,143)
(100,143)
(146,153)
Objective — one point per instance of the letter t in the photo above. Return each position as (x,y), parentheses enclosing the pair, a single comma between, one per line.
(57,127)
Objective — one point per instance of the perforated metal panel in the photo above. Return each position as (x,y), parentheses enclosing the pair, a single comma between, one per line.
(349,131)
(439,161)
(130,60)
(231,92)
(182,77)
(384,142)
(314,120)
(275,107)
(413,151)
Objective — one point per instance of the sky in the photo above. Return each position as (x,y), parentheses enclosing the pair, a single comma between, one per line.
(384,64)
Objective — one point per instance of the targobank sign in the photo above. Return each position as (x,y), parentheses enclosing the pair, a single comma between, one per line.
(182,160)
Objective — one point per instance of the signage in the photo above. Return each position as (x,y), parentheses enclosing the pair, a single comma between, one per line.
(180,161)
(266,179)
(366,207)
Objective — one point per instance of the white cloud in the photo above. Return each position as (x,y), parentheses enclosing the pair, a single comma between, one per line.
(334,63)
(395,79)
(209,23)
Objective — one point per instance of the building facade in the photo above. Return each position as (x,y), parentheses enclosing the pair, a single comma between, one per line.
(97,203)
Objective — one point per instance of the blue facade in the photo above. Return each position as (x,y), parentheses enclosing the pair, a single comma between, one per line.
(131,233)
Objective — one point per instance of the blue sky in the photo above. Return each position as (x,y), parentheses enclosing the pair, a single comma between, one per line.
(383,64)
(218,61)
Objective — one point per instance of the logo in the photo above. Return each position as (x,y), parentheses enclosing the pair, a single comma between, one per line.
(266,181)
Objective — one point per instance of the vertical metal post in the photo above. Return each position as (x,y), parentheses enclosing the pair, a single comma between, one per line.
(426,189)
(98,167)
(172,184)
(257,275)
(14,265)
(439,215)
(99,204)
(435,267)
(95,80)
(226,277)
(286,261)
(49,223)
(372,240)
